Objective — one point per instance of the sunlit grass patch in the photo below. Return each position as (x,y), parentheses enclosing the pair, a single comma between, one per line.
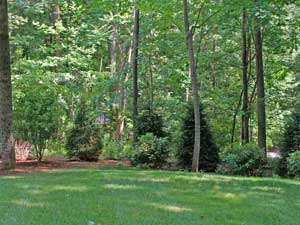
(132,196)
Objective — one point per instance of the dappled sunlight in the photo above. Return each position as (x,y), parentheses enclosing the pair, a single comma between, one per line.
(149,179)
(267,188)
(11,178)
(68,188)
(26,203)
(171,208)
(230,195)
(121,187)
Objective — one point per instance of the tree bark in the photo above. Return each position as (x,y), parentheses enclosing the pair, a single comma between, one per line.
(189,37)
(113,51)
(261,111)
(245,115)
(135,67)
(6,115)
(213,65)
(56,19)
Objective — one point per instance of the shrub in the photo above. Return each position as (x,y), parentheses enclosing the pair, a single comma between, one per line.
(291,141)
(37,112)
(293,164)
(112,149)
(246,160)
(151,151)
(209,154)
(150,122)
(115,149)
(84,141)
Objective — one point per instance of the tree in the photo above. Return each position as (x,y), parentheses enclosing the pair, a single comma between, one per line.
(84,141)
(245,116)
(135,66)
(209,155)
(6,117)
(261,107)
(189,39)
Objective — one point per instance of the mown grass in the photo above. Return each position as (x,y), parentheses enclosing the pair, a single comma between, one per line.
(131,196)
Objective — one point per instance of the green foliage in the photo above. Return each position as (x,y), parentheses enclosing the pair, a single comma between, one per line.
(112,149)
(151,151)
(150,122)
(242,160)
(84,141)
(37,112)
(293,164)
(115,149)
(209,156)
(291,141)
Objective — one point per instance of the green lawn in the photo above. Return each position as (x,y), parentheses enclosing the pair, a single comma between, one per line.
(131,196)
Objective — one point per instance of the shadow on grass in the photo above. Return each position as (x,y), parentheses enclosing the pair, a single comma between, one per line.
(132,196)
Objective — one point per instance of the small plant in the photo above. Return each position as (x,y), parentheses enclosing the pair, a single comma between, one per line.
(244,160)
(84,141)
(115,149)
(293,164)
(112,149)
(151,151)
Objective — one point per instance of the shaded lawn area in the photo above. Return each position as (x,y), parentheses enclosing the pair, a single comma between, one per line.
(132,196)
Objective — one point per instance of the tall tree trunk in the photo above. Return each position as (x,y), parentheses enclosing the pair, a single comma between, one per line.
(135,67)
(245,116)
(6,116)
(124,93)
(234,118)
(113,51)
(187,89)
(189,37)
(56,18)
(261,111)
(213,65)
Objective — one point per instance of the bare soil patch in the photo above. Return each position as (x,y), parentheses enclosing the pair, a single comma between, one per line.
(53,163)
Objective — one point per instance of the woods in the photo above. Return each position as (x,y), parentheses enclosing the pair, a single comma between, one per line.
(135,62)
(149,112)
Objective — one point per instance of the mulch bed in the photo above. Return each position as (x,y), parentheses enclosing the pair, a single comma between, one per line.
(52,163)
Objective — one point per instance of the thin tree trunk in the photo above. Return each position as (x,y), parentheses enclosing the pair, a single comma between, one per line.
(56,18)
(151,85)
(245,116)
(6,116)
(135,67)
(213,65)
(113,51)
(189,37)
(261,111)
(234,118)
(187,89)
(123,90)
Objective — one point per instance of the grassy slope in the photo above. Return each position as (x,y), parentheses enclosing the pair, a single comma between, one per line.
(129,196)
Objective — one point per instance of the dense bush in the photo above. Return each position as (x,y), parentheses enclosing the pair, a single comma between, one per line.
(37,112)
(293,164)
(151,151)
(150,122)
(84,141)
(242,160)
(116,149)
(209,156)
(291,141)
